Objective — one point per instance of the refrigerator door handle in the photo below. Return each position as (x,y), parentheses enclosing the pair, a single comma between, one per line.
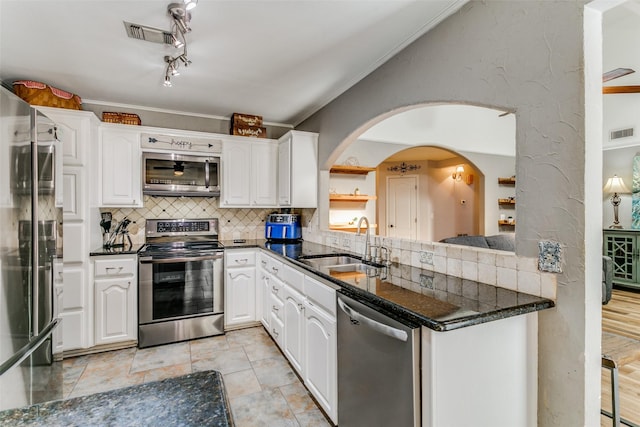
(387,330)
(26,351)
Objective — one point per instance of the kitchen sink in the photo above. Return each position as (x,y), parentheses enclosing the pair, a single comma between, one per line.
(330,260)
(354,268)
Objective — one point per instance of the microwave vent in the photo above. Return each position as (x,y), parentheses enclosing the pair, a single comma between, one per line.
(150,34)
(621,133)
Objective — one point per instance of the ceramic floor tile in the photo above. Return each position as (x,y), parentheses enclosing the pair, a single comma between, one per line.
(70,376)
(224,361)
(262,350)
(157,357)
(313,418)
(247,336)
(241,383)
(167,372)
(274,372)
(202,348)
(265,409)
(298,397)
(100,379)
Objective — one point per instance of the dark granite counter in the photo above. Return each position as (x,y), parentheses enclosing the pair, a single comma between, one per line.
(197,399)
(435,300)
(117,250)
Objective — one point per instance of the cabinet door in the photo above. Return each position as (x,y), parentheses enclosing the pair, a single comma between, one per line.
(74,311)
(115,310)
(623,249)
(236,184)
(284,172)
(240,296)
(264,179)
(73,202)
(120,167)
(294,328)
(265,291)
(320,366)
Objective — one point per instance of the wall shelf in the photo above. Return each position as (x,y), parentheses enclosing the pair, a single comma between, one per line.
(620,89)
(351,170)
(507,181)
(507,202)
(350,198)
(350,227)
(506,223)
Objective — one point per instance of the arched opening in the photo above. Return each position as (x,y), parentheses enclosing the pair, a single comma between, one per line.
(411,189)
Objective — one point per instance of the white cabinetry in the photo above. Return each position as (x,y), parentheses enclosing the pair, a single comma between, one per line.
(116,299)
(239,287)
(298,169)
(58,302)
(301,318)
(77,130)
(249,173)
(119,166)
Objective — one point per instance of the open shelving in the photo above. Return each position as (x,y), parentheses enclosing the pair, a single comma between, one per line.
(351,170)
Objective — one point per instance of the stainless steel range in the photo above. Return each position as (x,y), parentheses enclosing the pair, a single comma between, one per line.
(180,281)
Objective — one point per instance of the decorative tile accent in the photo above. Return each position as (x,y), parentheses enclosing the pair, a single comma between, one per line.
(426,257)
(426,281)
(550,256)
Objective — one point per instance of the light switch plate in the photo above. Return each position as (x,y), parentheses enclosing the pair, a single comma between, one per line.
(549,256)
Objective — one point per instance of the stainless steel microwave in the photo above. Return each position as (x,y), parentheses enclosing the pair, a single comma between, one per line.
(171,174)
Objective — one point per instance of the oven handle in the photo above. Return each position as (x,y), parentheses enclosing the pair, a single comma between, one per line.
(150,260)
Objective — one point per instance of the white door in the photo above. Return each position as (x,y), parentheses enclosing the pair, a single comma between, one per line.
(294,328)
(402,206)
(115,310)
(240,295)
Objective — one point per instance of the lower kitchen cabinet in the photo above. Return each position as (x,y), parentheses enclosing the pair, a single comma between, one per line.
(240,288)
(299,312)
(116,299)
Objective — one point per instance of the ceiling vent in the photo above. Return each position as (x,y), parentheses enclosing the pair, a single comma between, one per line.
(150,34)
(622,133)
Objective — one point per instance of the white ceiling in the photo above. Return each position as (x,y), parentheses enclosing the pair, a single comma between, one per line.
(280,59)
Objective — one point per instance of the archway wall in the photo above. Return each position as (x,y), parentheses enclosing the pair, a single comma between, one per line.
(525,56)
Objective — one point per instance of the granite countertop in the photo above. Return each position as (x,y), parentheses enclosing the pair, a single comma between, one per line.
(117,250)
(411,294)
(197,399)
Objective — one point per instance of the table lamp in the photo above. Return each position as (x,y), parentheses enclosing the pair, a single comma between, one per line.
(615,185)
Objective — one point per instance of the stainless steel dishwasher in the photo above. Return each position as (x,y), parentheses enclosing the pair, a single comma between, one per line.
(378,368)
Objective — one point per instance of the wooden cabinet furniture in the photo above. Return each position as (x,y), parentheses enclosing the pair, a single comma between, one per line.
(298,170)
(116,299)
(254,186)
(119,166)
(239,288)
(507,205)
(623,246)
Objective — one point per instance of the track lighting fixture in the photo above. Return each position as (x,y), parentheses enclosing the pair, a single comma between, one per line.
(180,26)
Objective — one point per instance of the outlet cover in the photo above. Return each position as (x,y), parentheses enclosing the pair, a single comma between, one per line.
(426,257)
(550,256)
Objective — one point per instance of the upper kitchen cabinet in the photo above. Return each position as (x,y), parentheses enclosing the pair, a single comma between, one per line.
(298,170)
(119,166)
(249,173)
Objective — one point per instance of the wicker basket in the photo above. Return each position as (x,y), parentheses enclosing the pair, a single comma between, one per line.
(123,118)
(36,93)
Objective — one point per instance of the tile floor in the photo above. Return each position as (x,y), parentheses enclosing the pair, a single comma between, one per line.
(262,388)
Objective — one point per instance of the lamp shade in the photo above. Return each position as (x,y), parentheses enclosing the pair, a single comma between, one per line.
(615,185)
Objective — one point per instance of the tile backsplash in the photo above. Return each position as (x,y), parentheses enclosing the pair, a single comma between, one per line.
(234,223)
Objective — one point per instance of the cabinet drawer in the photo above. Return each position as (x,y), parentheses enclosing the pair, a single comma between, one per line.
(114,267)
(276,307)
(293,278)
(276,288)
(275,330)
(321,294)
(240,259)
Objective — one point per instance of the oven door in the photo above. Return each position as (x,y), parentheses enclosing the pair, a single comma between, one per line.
(178,288)
(170,174)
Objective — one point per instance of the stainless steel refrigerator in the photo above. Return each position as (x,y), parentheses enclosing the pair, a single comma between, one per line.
(30,251)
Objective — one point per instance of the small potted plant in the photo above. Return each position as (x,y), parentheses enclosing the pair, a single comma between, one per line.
(356,192)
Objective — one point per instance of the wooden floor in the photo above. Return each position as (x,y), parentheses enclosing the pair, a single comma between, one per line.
(622,316)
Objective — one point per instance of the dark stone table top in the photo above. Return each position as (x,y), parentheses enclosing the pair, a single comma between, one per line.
(117,250)
(196,399)
(413,295)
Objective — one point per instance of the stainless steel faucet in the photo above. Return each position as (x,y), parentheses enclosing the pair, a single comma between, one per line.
(367,243)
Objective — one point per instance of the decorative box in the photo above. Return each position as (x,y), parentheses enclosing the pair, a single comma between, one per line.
(254,131)
(241,119)
(37,93)
(123,118)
